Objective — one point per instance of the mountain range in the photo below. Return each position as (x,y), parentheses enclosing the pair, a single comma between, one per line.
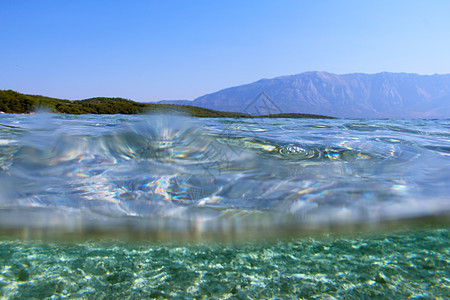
(356,95)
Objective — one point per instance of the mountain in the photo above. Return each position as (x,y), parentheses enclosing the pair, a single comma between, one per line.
(357,95)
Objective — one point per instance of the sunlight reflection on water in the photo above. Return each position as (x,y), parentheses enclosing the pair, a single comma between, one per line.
(291,173)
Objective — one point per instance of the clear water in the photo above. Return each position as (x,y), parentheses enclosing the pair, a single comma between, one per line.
(313,208)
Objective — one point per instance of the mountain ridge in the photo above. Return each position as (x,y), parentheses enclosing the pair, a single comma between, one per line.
(352,95)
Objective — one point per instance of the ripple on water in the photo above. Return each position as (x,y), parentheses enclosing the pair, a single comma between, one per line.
(211,174)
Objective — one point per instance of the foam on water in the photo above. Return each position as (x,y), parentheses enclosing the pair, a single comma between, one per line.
(177,175)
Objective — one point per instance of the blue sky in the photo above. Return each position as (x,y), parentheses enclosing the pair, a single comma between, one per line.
(152,50)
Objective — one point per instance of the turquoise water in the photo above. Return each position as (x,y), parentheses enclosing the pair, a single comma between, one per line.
(172,206)
(399,265)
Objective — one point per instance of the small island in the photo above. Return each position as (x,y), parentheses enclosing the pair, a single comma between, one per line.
(18,103)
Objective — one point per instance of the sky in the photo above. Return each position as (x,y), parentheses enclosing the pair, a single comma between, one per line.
(154,50)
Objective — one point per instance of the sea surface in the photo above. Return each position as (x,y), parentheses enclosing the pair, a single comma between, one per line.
(158,206)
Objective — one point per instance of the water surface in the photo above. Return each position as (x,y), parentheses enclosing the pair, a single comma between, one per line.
(176,207)
(188,176)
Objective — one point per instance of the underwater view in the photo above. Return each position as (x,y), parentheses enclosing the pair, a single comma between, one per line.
(158,206)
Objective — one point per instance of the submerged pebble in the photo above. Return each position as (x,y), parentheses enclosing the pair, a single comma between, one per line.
(403,264)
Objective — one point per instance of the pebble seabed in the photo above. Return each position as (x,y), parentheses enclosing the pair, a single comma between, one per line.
(401,264)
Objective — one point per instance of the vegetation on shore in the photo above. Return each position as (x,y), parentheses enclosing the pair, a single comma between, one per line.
(14,102)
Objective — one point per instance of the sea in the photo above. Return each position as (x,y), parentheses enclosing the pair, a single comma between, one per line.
(176,207)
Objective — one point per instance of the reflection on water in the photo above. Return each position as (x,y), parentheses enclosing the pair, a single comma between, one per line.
(64,172)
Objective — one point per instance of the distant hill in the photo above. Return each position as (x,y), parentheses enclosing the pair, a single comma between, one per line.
(382,95)
(178,102)
(14,102)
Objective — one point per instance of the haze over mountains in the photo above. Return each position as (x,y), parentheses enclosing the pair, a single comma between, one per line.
(357,95)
